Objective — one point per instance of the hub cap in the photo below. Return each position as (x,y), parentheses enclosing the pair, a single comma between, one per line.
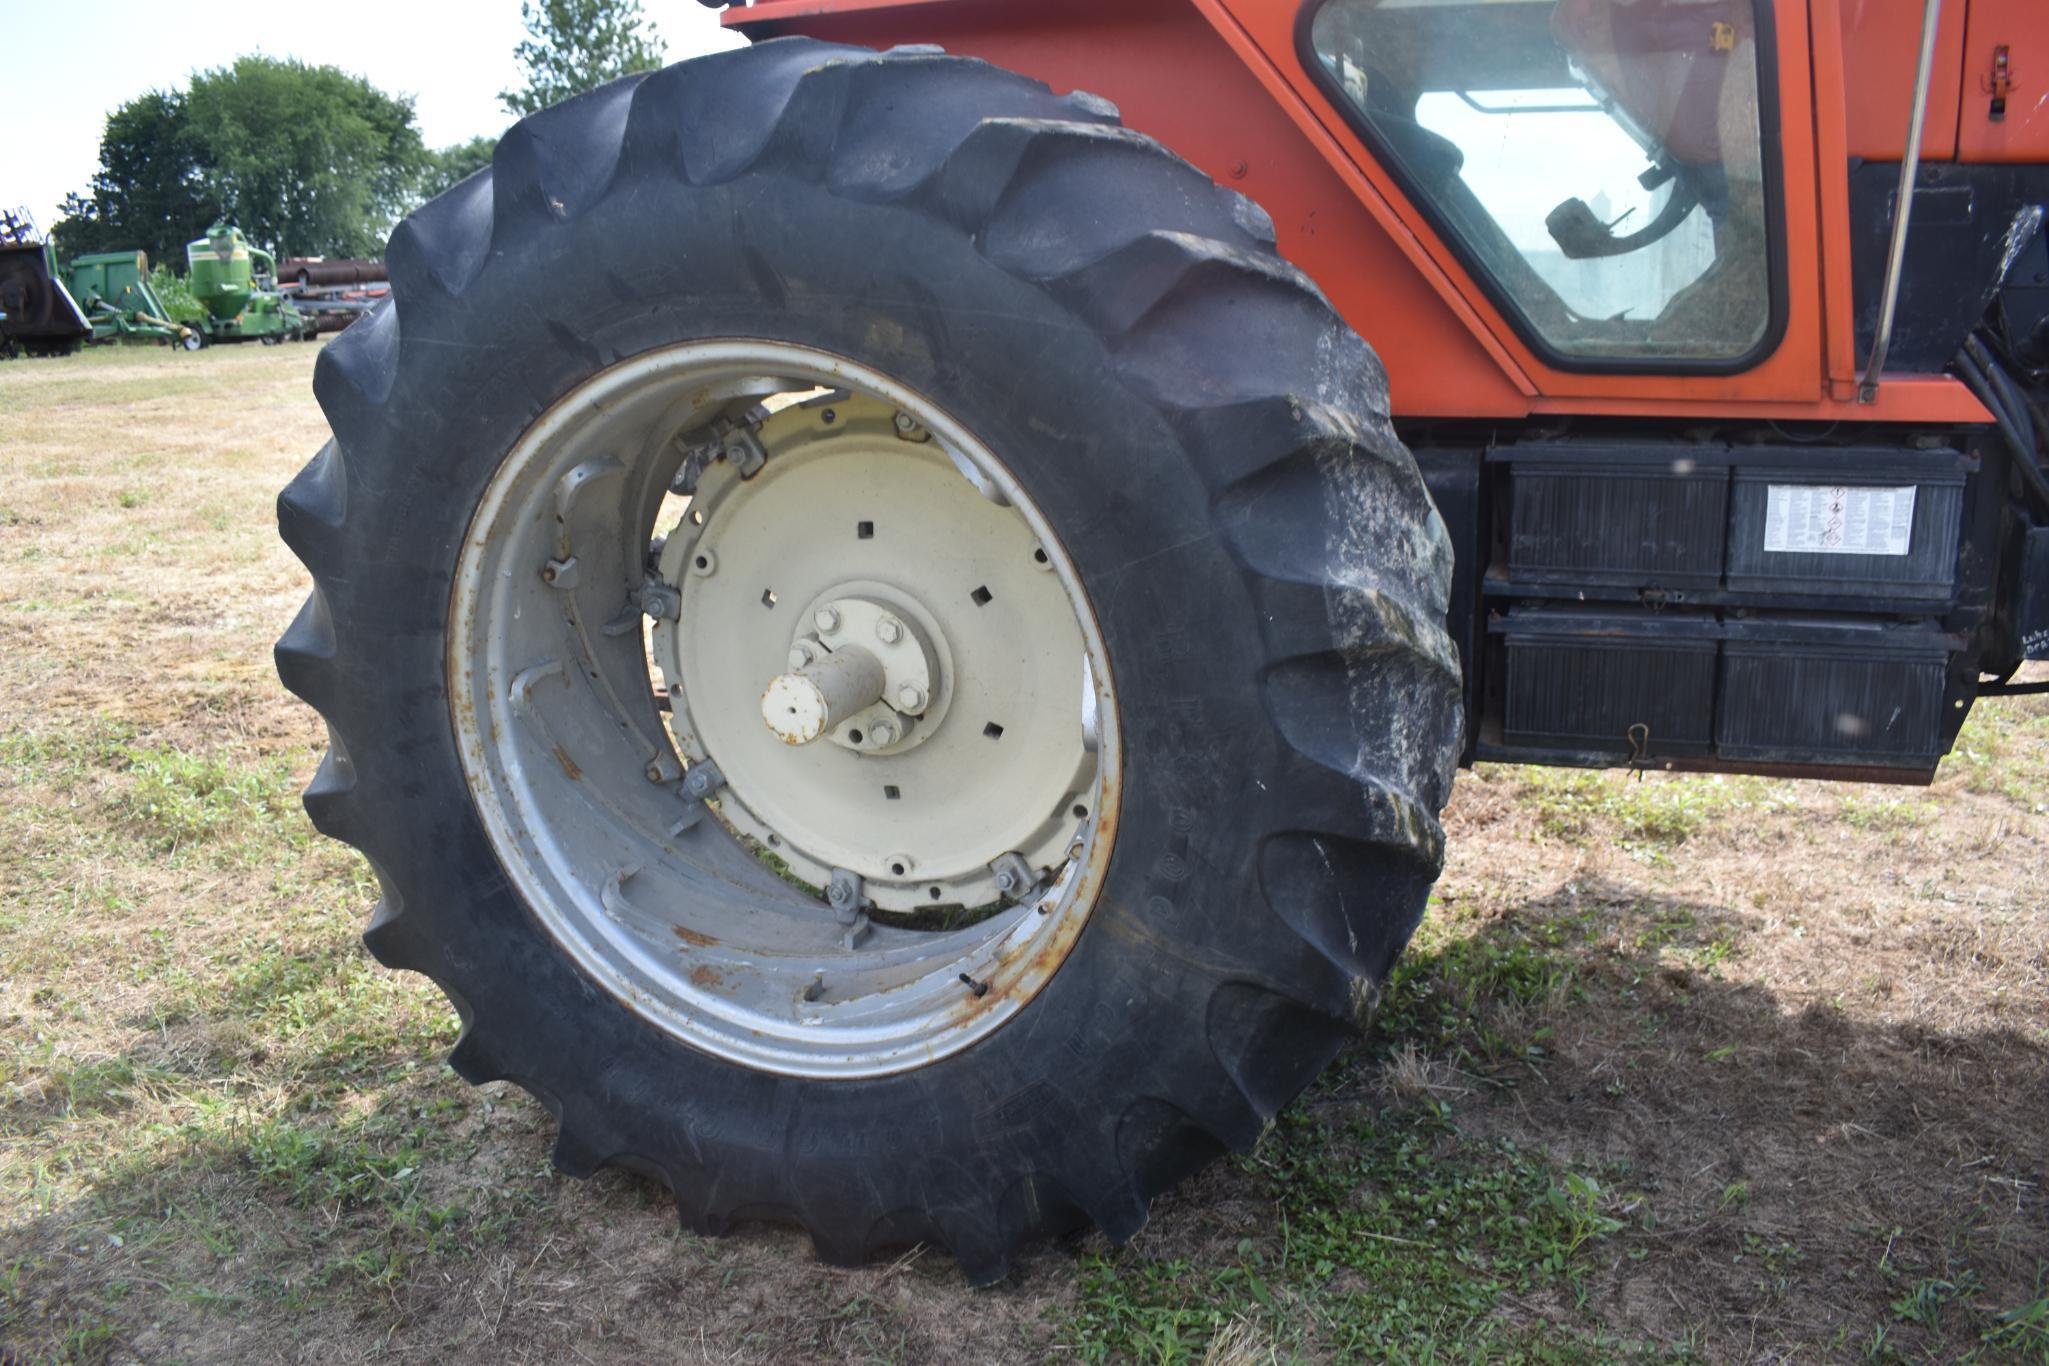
(888,708)
(860,548)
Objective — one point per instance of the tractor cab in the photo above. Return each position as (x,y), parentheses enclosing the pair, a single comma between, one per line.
(1600,169)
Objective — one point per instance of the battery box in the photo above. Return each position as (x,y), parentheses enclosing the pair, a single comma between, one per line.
(1743,606)
(1745,525)
(1780,691)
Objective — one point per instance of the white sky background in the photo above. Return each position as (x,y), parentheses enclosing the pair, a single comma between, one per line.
(70,65)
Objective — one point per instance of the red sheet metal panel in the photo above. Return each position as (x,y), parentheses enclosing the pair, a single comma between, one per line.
(2005,114)
(1881,47)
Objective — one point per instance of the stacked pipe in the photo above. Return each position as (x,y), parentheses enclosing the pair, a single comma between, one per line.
(314,271)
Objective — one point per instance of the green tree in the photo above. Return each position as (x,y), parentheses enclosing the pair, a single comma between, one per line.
(306,159)
(577,45)
(149,192)
(450,166)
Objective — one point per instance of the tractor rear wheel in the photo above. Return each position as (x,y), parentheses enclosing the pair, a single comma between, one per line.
(880,644)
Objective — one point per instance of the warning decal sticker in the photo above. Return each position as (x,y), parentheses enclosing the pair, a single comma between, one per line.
(1818,520)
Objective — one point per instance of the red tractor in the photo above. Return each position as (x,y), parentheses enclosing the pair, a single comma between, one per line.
(897,607)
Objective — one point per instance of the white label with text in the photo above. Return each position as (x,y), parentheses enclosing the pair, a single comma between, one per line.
(1808,519)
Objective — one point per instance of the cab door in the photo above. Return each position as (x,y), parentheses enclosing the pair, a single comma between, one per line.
(1621,194)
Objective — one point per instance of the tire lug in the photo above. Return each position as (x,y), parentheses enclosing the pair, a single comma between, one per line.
(1013,875)
(702,780)
(743,451)
(843,894)
(659,601)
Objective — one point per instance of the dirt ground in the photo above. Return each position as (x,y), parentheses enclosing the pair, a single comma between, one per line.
(1722,1069)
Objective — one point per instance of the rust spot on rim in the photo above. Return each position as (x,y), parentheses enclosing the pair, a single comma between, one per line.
(569,767)
(690,936)
(1021,977)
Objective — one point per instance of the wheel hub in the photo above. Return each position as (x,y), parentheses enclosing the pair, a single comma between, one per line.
(920,727)
(863,675)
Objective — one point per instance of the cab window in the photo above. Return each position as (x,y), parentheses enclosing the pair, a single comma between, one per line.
(1598,161)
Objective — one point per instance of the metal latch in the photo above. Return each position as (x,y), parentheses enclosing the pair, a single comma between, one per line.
(2000,83)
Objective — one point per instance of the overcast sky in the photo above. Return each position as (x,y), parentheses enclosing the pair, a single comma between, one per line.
(70,64)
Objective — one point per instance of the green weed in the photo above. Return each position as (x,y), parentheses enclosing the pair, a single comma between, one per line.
(180,800)
(1645,813)
(1475,999)
(2000,752)
(1868,813)
(1927,1298)
(2023,1331)
(1398,1238)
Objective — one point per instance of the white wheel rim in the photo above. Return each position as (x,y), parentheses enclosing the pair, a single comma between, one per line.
(582,820)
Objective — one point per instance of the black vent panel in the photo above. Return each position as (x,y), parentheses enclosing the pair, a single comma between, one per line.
(1618,518)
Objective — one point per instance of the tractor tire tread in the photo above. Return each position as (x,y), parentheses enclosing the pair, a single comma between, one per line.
(1283,412)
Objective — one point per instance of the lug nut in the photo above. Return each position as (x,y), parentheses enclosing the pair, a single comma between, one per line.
(910,697)
(882,733)
(828,619)
(1006,881)
(702,780)
(800,654)
(889,630)
(905,422)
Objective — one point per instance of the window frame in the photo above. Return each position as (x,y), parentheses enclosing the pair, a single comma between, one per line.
(1765,18)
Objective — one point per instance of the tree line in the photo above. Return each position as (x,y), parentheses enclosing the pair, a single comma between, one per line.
(311,160)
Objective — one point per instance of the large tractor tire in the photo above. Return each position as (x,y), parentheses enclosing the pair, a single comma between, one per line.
(880,643)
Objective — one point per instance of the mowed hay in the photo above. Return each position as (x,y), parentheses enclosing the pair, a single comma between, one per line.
(1732,1068)
(136,495)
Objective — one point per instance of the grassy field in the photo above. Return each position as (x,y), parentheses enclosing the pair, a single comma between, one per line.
(1697,1068)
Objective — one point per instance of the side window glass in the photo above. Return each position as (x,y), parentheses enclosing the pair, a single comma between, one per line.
(1599,159)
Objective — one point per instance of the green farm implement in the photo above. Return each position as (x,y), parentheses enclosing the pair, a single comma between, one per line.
(112,287)
(106,296)
(235,282)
